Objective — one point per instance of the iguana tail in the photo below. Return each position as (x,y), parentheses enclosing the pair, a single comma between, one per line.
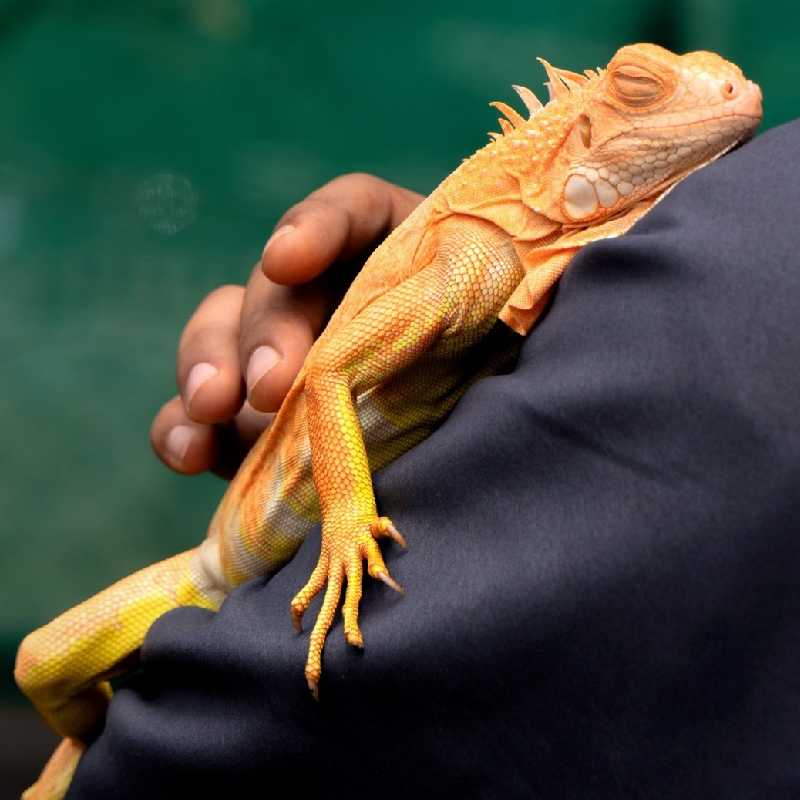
(64,667)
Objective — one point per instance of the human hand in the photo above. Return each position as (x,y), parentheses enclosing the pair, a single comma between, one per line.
(243,346)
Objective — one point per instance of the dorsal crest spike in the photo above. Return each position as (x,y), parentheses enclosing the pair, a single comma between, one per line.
(573,80)
(515,119)
(506,126)
(532,102)
(561,81)
(555,85)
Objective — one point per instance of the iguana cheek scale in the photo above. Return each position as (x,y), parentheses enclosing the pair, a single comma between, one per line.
(407,340)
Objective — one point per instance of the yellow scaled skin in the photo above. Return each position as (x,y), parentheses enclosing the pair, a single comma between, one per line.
(490,242)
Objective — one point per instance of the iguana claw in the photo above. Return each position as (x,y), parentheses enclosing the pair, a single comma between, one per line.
(390,581)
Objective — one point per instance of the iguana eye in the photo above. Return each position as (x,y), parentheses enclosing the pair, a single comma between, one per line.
(636,86)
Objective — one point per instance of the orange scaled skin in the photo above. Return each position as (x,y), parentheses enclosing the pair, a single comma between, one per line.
(409,337)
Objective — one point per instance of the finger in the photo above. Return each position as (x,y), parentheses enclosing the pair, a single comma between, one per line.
(278,326)
(209,374)
(190,447)
(181,443)
(337,222)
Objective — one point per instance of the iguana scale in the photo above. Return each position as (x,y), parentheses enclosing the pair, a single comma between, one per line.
(490,242)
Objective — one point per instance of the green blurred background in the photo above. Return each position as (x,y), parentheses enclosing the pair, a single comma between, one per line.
(146,150)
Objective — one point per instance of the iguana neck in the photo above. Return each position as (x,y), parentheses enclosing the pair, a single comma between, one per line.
(503,181)
(489,185)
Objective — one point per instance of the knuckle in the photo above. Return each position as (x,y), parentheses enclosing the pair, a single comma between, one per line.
(227,288)
(375,189)
(195,339)
(256,274)
(315,200)
(357,177)
(224,292)
(223,300)
(262,327)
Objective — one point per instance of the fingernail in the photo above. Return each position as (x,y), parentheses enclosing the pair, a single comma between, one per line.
(264,358)
(282,231)
(198,375)
(178,441)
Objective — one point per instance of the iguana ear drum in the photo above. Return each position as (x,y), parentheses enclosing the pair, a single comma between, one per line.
(585,130)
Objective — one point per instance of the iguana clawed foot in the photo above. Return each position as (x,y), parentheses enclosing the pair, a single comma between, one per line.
(345,545)
(57,774)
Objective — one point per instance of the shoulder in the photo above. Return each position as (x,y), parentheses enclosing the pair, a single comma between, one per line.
(703,291)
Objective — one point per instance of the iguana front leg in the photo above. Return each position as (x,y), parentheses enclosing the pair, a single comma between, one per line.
(382,340)
(446,306)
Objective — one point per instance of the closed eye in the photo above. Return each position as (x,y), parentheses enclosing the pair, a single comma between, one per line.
(636,86)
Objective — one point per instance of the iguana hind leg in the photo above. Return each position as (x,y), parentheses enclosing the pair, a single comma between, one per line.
(57,774)
(64,666)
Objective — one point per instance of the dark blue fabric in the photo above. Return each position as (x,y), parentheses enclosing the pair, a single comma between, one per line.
(602,581)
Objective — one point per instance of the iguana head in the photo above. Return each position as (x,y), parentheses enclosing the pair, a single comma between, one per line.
(610,138)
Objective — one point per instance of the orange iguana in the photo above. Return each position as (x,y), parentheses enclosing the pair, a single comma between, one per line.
(490,242)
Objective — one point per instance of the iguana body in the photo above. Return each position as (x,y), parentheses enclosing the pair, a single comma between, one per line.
(490,242)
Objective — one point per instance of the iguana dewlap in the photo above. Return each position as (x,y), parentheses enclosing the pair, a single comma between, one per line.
(490,242)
